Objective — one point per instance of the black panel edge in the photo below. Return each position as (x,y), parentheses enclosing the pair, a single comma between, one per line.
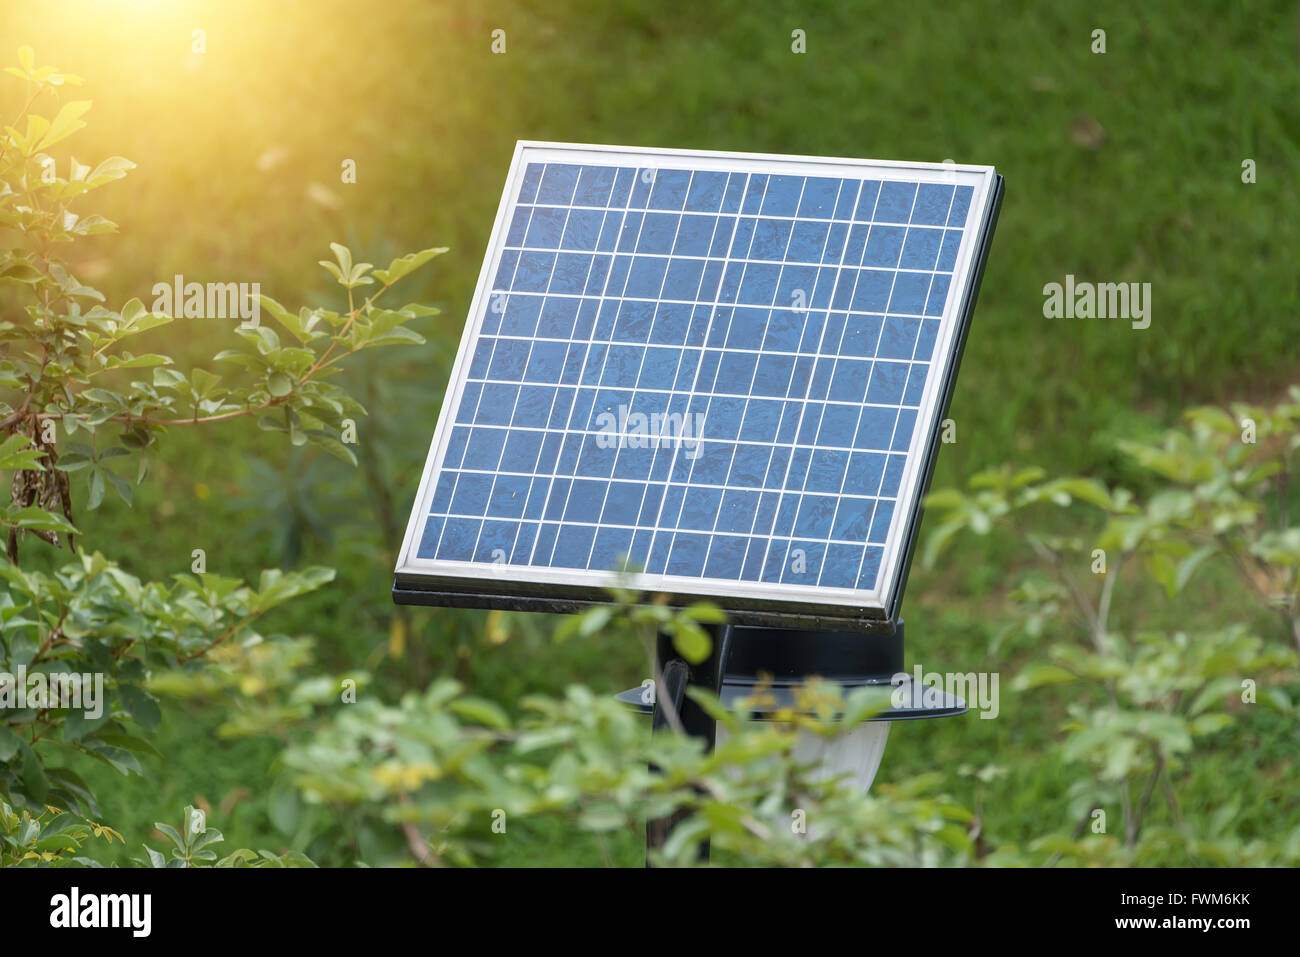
(949,387)
(789,657)
(571,600)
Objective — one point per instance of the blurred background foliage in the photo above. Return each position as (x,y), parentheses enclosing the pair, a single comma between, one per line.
(1120,167)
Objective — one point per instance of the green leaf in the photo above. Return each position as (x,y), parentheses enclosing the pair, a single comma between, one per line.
(104,397)
(37,126)
(170,833)
(684,838)
(33,776)
(1276,699)
(33,517)
(150,320)
(65,123)
(398,336)
(132,311)
(1086,490)
(692,643)
(127,742)
(298,326)
(128,361)
(405,265)
(20,272)
(238,357)
(9,743)
(96,496)
(284,809)
(115,167)
(69,781)
(602,818)
(16,452)
(279,385)
(1164,571)
(481,711)
(330,444)
(204,382)
(343,272)
(78,725)
(121,486)
(415,310)
(1210,723)
(1038,675)
(936,541)
(945,498)
(594,620)
(863,703)
(168,378)
(56,843)
(1187,567)
(142,706)
(343,255)
(705,613)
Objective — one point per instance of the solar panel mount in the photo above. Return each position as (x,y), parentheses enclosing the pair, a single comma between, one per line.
(709,375)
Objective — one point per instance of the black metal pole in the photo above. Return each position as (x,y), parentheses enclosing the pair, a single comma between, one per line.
(678,675)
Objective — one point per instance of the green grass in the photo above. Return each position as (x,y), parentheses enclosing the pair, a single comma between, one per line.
(412,93)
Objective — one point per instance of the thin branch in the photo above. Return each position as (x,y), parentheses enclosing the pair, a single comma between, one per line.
(1290,624)
(416,842)
(1078,833)
(1107,591)
(1283,489)
(1080,599)
(352,317)
(1126,806)
(50,637)
(317,366)
(20,413)
(197,420)
(36,91)
(1103,621)
(664,699)
(1146,798)
(230,630)
(1171,799)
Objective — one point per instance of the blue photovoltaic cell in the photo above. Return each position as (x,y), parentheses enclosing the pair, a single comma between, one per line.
(707,374)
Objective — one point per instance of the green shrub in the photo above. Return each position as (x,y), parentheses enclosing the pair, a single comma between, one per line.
(1142,612)
(71,408)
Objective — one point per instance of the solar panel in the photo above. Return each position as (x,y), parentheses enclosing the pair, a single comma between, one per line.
(723,372)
